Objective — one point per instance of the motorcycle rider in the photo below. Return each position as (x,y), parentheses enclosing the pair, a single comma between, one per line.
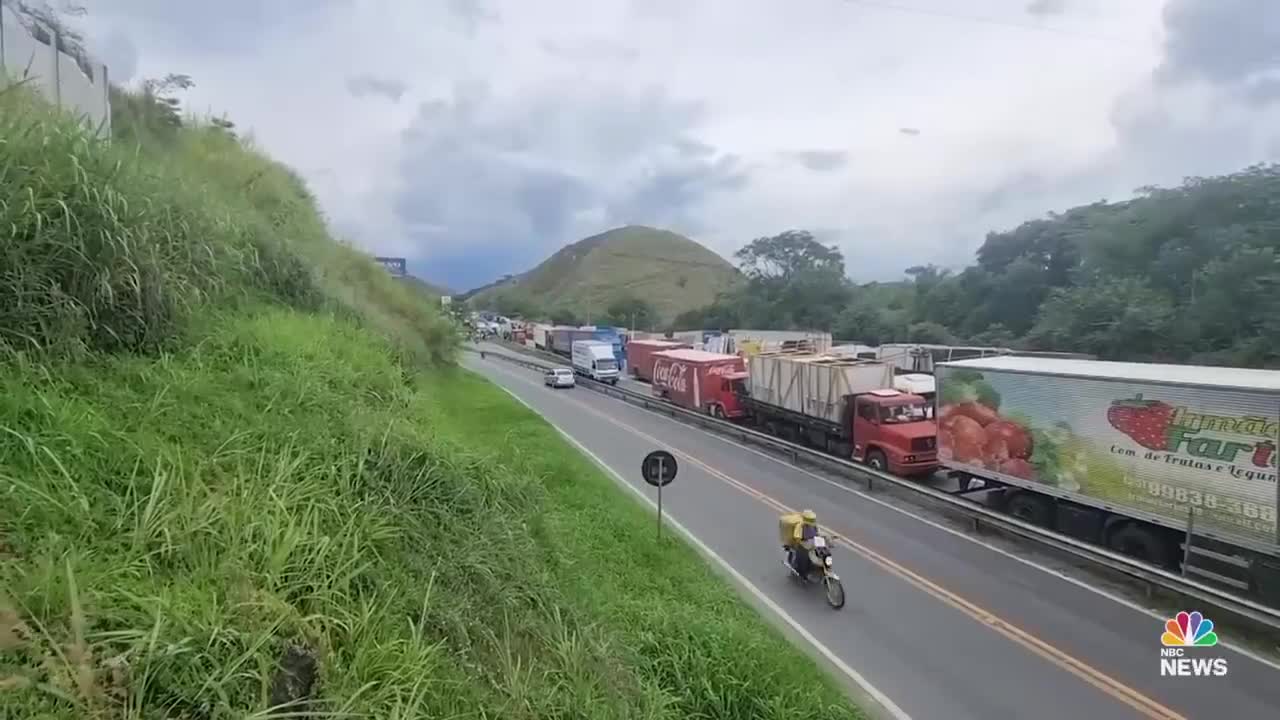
(802,535)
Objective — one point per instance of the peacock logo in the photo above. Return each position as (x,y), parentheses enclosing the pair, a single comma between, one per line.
(1189,630)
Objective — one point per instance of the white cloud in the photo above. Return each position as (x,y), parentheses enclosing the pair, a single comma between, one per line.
(522,126)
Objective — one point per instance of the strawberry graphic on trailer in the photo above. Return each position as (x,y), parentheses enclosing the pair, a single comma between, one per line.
(1146,421)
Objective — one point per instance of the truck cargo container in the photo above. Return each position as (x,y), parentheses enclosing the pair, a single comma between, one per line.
(858,350)
(752,342)
(843,406)
(612,336)
(692,338)
(921,358)
(1125,455)
(926,386)
(640,356)
(540,336)
(594,359)
(699,380)
(560,339)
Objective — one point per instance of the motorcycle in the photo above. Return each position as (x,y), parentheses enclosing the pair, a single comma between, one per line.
(820,570)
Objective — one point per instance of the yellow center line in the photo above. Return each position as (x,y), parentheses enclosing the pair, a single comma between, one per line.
(1129,696)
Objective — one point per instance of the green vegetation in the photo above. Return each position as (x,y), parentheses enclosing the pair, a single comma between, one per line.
(239,470)
(426,288)
(1185,274)
(631,276)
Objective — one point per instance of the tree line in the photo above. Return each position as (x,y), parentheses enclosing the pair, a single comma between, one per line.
(1183,274)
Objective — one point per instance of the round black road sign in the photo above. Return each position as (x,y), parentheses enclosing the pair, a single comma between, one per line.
(659,468)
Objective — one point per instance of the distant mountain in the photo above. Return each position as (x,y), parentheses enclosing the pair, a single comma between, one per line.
(669,270)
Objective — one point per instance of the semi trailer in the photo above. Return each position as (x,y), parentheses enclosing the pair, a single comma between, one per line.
(699,380)
(640,356)
(1138,457)
(843,406)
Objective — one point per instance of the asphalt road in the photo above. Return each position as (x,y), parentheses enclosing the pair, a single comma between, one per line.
(940,624)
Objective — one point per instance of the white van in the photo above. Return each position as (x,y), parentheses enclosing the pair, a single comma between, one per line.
(595,360)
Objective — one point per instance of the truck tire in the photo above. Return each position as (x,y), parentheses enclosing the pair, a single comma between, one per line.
(717,412)
(1031,508)
(1138,541)
(877,461)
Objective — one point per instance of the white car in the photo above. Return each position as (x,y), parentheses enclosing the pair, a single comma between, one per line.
(558,377)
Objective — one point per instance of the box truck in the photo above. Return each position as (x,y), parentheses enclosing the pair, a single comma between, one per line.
(1126,455)
(843,406)
(700,380)
(594,359)
(640,356)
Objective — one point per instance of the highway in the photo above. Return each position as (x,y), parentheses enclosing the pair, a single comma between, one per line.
(937,625)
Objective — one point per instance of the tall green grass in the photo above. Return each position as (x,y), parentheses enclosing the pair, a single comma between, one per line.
(115,246)
(237,469)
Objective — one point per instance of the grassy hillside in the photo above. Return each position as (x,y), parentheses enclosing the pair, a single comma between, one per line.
(426,288)
(670,271)
(239,469)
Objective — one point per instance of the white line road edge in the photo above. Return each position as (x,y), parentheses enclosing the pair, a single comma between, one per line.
(880,698)
(1243,651)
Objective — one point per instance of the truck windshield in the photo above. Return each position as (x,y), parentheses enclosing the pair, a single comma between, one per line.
(908,412)
(606,364)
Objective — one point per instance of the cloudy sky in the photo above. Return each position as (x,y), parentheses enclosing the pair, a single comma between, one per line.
(475,137)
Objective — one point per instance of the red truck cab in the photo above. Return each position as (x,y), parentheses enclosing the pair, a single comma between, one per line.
(699,380)
(894,431)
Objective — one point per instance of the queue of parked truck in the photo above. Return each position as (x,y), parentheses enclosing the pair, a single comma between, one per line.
(1132,456)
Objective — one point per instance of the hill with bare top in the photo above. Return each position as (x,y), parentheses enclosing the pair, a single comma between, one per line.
(668,270)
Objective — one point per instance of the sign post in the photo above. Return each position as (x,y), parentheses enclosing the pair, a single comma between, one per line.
(659,469)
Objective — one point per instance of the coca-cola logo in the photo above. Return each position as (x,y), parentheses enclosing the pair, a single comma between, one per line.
(674,376)
(724,369)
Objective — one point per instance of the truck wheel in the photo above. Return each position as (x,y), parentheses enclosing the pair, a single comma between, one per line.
(877,461)
(1031,508)
(717,412)
(1139,542)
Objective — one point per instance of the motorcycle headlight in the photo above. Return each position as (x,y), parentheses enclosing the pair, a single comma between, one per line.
(828,561)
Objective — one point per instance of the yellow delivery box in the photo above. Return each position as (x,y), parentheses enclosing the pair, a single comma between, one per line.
(787,526)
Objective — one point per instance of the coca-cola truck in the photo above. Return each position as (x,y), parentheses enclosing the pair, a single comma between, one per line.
(640,356)
(843,406)
(700,380)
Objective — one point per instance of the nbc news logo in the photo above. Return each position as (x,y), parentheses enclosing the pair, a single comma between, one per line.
(1189,630)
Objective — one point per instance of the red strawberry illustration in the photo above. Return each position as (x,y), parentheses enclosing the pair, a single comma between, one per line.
(1146,421)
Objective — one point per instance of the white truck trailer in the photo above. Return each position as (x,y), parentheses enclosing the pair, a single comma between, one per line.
(594,359)
(1128,455)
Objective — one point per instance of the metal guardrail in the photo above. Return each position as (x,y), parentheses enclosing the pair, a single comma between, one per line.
(1154,578)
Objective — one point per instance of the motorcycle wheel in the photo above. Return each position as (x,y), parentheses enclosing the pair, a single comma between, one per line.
(835,592)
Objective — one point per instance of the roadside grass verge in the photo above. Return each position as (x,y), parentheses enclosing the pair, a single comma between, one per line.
(685,627)
(172,526)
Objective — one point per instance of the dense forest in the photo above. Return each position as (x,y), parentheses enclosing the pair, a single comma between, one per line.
(1185,274)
